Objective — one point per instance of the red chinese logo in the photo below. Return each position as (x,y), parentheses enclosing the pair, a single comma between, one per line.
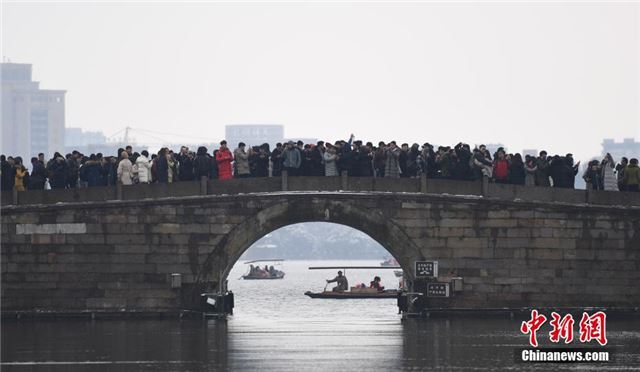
(532,326)
(591,327)
(561,328)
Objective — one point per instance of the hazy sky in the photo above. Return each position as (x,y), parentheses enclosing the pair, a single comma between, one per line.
(543,75)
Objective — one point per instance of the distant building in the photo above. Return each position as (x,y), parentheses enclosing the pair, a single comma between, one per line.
(253,134)
(78,137)
(530,152)
(86,142)
(311,141)
(628,148)
(493,147)
(33,119)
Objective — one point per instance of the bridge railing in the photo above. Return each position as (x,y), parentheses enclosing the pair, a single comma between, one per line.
(313,184)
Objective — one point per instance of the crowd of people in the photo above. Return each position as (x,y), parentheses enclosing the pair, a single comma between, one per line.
(256,272)
(358,159)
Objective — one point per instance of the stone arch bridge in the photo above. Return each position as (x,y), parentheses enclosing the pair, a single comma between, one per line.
(115,249)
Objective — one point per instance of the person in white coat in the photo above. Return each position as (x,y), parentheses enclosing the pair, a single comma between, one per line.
(330,158)
(143,168)
(125,170)
(610,181)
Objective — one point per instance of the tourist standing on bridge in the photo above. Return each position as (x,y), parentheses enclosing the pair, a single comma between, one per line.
(609,180)
(593,175)
(202,164)
(363,160)
(185,161)
(632,176)
(8,174)
(224,159)
(291,159)
(162,166)
(241,161)
(620,173)
(57,168)
(428,161)
(315,159)
(462,168)
(125,169)
(379,157)
(21,175)
(143,167)
(392,155)
(276,160)
(38,175)
(72,169)
(482,162)
(402,159)
(330,159)
(516,170)
(501,168)
(542,173)
(91,172)
(262,161)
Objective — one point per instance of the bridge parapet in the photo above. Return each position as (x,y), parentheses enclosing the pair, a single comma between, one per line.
(354,184)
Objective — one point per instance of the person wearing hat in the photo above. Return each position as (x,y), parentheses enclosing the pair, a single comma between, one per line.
(342,282)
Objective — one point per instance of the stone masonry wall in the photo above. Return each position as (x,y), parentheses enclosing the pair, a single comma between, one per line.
(119,255)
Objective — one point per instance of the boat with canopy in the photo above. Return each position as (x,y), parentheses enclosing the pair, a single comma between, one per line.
(353,292)
(272,269)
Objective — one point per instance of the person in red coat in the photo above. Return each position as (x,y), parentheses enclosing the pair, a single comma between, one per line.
(224,159)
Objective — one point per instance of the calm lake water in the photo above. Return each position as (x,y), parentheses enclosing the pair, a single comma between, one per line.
(276,328)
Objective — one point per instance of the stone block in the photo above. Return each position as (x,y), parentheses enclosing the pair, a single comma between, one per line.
(221,228)
(162,258)
(132,249)
(85,239)
(524,214)
(197,228)
(126,239)
(422,223)
(454,222)
(458,243)
(166,228)
(498,222)
(102,303)
(507,280)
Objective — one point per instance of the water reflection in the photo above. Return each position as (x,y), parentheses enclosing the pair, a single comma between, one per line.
(276,328)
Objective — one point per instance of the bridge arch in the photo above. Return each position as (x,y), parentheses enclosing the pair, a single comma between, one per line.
(376,224)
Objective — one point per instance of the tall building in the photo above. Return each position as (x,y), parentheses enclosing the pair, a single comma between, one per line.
(253,134)
(86,142)
(628,148)
(78,137)
(32,118)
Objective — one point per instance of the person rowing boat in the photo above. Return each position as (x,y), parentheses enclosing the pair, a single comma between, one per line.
(342,282)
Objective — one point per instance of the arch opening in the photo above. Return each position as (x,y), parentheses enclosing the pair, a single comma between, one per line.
(312,244)
(374,223)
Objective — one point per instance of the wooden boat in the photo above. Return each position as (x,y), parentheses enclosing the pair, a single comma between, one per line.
(278,275)
(389,262)
(355,293)
(262,274)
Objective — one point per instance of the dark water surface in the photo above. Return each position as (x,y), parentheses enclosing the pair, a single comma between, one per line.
(277,328)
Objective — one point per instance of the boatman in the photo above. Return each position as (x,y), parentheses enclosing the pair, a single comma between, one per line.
(343,284)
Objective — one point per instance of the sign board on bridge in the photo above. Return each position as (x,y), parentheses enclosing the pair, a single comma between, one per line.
(426,269)
(438,290)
